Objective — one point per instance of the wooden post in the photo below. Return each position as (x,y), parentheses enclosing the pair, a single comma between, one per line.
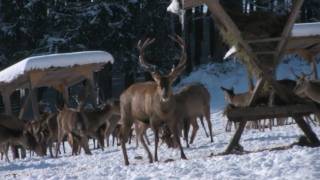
(91,89)
(307,130)
(287,29)
(34,101)
(24,106)
(7,102)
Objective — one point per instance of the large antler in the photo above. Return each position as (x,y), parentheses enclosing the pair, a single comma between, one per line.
(175,71)
(141,47)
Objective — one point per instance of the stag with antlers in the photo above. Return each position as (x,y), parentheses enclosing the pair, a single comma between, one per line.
(152,102)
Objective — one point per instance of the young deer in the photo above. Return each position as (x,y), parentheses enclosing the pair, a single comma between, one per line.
(193,101)
(13,132)
(75,123)
(109,115)
(308,88)
(151,102)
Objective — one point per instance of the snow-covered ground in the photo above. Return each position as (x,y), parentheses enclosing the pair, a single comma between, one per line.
(294,163)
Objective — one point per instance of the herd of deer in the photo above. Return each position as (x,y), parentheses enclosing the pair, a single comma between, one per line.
(143,105)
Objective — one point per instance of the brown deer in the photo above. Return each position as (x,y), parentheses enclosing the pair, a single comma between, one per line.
(307,88)
(109,115)
(70,121)
(270,98)
(13,131)
(52,126)
(151,102)
(193,101)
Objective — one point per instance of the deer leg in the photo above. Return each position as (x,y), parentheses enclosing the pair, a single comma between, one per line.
(136,129)
(174,130)
(113,139)
(195,128)
(127,123)
(203,126)
(101,141)
(186,124)
(6,150)
(63,147)
(145,146)
(156,143)
(94,143)
(84,144)
(50,148)
(107,139)
(60,139)
(208,119)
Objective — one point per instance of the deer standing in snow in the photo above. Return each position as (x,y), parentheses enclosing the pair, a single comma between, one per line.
(151,102)
(14,132)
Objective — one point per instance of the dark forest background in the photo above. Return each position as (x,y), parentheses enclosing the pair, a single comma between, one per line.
(37,27)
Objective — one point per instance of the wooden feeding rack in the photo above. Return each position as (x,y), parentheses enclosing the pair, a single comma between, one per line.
(262,51)
(59,71)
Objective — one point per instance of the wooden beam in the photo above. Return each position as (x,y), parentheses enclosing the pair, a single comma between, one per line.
(34,102)
(288,28)
(262,112)
(266,53)
(24,106)
(305,127)
(7,102)
(266,40)
(187,4)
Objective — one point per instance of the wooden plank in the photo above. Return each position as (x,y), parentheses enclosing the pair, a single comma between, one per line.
(262,112)
(266,40)
(34,102)
(187,4)
(7,102)
(305,127)
(24,106)
(265,53)
(288,28)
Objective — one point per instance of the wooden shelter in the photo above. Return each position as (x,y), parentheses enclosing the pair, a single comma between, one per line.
(262,52)
(59,71)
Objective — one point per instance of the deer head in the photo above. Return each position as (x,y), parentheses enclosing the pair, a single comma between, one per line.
(228,93)
(302,82)
(164,82)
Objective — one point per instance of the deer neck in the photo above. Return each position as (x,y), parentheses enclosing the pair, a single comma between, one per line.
(166,107)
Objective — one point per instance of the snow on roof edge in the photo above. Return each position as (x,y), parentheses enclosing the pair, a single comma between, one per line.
(306,29)
(54,60)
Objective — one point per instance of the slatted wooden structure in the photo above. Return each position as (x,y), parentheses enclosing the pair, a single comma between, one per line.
(263,54)
(59,71)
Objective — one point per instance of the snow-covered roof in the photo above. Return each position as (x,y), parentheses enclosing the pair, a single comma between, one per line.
(54,60)
(306,29)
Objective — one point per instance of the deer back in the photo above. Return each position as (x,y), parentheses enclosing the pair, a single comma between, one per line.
(193,99)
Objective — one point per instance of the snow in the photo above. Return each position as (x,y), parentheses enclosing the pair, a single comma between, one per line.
(306,29)
(53,60)
(174,7)
(295,163)
(230,52)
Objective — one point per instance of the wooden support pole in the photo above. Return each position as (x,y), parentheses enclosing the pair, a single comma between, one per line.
(7,102)
(24,106)
(34,103)
(288,27)
(91,90)
(236,138)
(307,130)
